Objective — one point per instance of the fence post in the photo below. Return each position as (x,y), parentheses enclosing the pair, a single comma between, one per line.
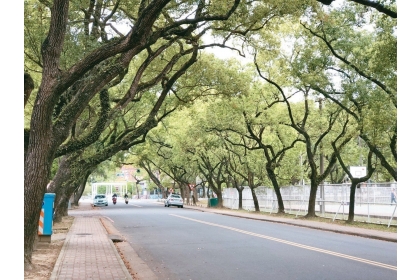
(272,205)
(338,210)
(395,208)
(368,203)
(300,206)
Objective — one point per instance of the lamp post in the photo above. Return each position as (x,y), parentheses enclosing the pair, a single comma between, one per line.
(321,165)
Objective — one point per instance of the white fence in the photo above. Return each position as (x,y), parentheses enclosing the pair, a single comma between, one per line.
(372,201)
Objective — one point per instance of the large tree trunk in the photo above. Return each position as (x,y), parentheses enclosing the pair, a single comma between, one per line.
(276,187)
(187,193)
(47,135)
(240,189)
(28,87)
(255,199)
(138,191)
(220,201)
(62,201)
(152,176)
(43,138)
(194,196)
(208,192)
(71,175)
(69,189)
(312,198)
(60,182)
(162,191)
(218,193)
(217,190)
(61,209)
(80,191)
(38,163)
(352,201)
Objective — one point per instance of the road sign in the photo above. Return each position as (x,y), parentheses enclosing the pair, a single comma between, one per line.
(358,171)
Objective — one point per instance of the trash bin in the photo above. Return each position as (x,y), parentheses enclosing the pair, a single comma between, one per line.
(213,202)
(45,224)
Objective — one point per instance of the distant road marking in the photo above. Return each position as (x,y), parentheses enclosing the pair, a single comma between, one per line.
(294,244)
(136,205)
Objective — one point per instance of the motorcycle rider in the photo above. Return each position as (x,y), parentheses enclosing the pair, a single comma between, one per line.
(114,195)
(126,196)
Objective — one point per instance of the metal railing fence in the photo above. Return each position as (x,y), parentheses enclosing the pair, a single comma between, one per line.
(372,201)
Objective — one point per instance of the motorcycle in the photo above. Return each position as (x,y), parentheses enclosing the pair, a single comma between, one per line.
(114,199)
(126,200)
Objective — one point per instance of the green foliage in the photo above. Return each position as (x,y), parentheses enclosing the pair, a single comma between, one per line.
(213,96)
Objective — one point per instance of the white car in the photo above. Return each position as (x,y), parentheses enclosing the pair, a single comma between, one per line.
(100,200)
(174,200)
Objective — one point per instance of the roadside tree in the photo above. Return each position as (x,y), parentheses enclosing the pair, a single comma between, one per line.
(70,82)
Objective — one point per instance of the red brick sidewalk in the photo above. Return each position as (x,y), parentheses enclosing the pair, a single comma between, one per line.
(88,252)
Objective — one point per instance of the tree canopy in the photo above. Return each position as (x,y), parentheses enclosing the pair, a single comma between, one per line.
(136,80)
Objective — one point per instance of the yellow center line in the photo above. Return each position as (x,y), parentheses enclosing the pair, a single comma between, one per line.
(294,244)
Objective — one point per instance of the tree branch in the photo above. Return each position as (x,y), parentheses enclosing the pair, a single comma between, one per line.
(374,4)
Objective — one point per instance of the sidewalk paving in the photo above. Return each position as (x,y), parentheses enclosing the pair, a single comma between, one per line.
(89,253)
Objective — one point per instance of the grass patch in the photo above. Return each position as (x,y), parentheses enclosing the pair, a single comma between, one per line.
(357,224)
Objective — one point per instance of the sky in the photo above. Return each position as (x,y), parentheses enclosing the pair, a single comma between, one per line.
(408,188)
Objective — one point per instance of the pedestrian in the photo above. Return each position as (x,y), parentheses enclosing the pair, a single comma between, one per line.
(393,196)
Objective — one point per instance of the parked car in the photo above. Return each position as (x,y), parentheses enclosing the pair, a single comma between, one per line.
(100,200)
(174,200)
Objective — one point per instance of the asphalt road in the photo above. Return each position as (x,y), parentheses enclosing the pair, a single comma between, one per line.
(179,243)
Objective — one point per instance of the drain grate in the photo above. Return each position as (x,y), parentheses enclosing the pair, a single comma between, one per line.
(84,234)
(115,238)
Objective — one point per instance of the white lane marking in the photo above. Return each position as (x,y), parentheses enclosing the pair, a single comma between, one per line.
(294,244)
(135,205)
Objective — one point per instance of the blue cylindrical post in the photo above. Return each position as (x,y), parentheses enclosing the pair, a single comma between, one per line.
(45,226)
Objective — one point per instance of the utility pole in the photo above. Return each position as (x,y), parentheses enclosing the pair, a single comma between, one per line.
(360,150)
(301,170)
(321,167)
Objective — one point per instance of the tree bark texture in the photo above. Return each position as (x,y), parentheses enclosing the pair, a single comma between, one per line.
(46,134)
(28,87)
(273,179)
(255,199)
(80,190)
(240,189)
(154,179)
(312,198)
(194,196)
(352,201)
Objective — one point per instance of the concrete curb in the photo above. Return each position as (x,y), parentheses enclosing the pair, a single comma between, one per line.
(367,233)
(336,230)
(120,261)
(131,261)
